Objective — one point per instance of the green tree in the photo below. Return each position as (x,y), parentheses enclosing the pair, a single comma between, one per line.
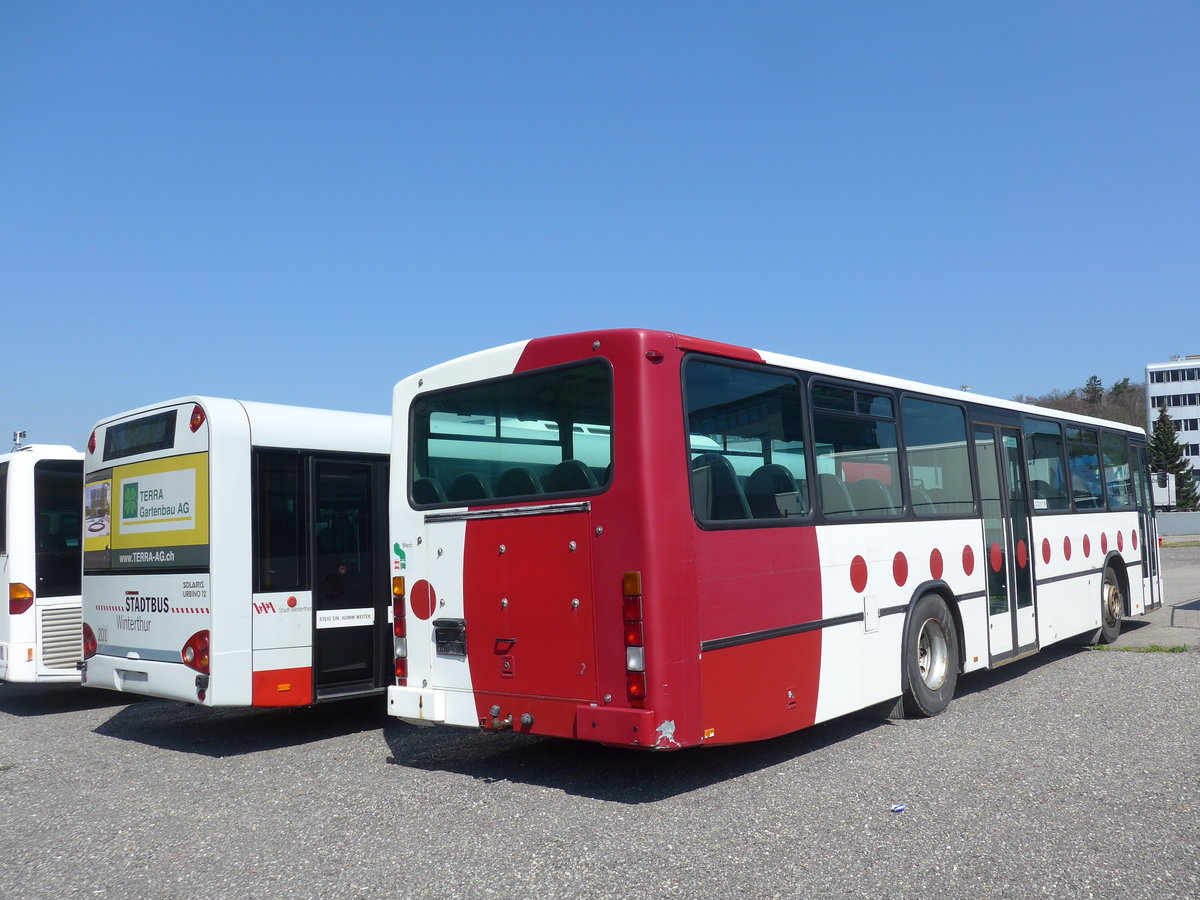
(1124,402)
(1166,453)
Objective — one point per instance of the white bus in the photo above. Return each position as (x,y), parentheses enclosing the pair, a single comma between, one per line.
(40,487)
(647,539)
(235,554)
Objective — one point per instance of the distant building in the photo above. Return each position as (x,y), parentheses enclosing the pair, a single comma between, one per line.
(1176,384)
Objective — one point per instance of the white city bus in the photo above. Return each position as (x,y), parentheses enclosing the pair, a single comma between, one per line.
(235,553)
(40,487)
(642,538)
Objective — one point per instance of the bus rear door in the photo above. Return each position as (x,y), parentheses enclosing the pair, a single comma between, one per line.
(351,634)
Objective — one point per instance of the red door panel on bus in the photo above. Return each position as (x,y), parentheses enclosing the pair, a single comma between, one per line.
(527,602)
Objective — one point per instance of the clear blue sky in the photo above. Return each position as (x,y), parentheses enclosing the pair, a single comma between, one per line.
(303,202)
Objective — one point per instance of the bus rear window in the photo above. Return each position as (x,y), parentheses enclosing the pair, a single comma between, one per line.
(145,435)
(517,438)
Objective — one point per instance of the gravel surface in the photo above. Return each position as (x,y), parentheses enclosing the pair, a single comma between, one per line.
(1071,774)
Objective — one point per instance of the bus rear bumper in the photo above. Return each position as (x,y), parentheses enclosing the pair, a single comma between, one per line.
(150,678)
(420,706)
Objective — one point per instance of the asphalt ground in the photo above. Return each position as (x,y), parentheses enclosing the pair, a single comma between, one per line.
(1070,774)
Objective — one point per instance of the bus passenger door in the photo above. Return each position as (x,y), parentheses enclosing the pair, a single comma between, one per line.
(1151,597)
(349,559)
(1012,625)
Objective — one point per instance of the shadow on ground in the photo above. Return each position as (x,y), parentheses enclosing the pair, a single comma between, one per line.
(641,776)
(54,699)
(222,733)
(593,770)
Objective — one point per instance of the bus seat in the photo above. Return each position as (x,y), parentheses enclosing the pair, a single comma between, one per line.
(428,490)
(870,497)
(772,493)
(569,475)
(716,492)
(835,499)
(517,482)
(1043,490)
(922,502)
(468,487)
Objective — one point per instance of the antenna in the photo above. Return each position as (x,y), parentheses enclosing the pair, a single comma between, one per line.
(17,438)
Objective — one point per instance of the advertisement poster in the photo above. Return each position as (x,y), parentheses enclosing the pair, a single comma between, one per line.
(148,515)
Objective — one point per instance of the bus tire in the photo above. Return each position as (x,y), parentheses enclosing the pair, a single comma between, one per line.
(930,658)
(1112,607)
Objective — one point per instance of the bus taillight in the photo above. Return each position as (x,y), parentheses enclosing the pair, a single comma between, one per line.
(20,598)
(89,641)
(635,650)
(195,652)
(92,442)
(400,629)
(197,418)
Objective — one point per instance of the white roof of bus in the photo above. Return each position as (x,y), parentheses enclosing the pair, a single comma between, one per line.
(43,451)
(820,368)
(280,425)
(484,364)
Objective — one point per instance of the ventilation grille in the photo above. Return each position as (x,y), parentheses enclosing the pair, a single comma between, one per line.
(62,637)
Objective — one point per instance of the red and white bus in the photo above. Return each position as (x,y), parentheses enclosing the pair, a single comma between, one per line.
(235,554)
(646,539)
(40,487)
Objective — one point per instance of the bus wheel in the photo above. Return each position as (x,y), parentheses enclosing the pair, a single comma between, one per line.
(930,658)
(1112,608)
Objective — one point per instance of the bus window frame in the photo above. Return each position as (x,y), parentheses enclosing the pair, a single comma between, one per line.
(1063,461)
(895,396)
(601,487)
(972,466)
(800,379)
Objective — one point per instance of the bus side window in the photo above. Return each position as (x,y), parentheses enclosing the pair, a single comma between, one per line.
(279,526)
(859,458)
(939,465)
(1118,482)
(746,443)
(1044,457)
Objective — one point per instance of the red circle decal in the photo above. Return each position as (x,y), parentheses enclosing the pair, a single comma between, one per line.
(996,555)
(1133,538)
(935,563)
(1120,540)
(1046,550)
(1087,546)
(900,569)
(291,601)
(1067,548)
(1022,554)
(858,574)
(423,599)
(1104,543)
(968,560)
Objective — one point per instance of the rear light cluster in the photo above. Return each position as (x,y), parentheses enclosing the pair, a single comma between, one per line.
(89,641)
(400,630)
(20,598)
(197,418)
(195,652)
(92,442)
(635,639)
